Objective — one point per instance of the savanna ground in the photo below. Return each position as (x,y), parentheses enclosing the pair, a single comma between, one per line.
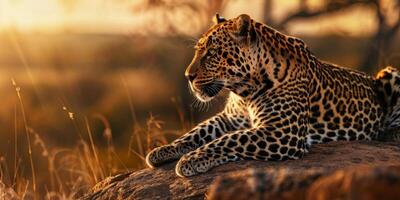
(78,107)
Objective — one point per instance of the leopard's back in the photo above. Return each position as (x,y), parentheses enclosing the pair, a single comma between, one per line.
(344,105)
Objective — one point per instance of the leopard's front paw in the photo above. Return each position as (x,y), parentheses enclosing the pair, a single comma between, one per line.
(161,155)
(192,164)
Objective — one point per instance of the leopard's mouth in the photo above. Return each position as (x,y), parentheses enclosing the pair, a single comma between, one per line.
(207,91)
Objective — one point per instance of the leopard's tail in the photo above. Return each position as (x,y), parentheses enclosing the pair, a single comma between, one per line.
(388,86)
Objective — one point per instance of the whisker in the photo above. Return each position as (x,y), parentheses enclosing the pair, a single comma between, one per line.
(195,103)
(208,105)
(210,88)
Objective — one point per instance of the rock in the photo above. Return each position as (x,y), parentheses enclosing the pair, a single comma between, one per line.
(279,183)
(360,182)
(321,161)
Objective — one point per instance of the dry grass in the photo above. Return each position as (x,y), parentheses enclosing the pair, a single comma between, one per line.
(39,169)
(66,126)
(70,172)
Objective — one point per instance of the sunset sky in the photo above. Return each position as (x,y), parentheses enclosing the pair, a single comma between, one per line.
(119,16)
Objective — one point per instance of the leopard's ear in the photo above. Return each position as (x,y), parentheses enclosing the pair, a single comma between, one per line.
(243,31)
(218,19)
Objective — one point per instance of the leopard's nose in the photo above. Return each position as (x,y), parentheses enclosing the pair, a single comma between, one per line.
(190,76)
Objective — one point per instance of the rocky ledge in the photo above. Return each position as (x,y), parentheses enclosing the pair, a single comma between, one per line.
(336,170)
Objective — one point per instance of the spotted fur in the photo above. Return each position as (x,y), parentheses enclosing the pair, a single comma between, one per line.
(282,99)
(388,87)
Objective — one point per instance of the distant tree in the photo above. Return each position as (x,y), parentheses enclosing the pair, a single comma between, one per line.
(380,43)
(195,13)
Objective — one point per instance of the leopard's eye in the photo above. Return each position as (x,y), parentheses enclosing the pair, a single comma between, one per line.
(212,51)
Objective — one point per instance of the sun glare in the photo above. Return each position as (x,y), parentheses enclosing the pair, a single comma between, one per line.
(61,15)
(119,17)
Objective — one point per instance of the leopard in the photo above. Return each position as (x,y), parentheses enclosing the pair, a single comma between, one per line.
(281,99)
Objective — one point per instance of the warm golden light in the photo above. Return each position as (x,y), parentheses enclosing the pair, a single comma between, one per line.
(60,15)
(120,17)
(88,87)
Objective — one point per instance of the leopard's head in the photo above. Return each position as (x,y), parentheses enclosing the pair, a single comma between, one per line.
(223,58)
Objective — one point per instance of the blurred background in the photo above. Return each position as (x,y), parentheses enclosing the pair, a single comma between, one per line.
(87,87)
